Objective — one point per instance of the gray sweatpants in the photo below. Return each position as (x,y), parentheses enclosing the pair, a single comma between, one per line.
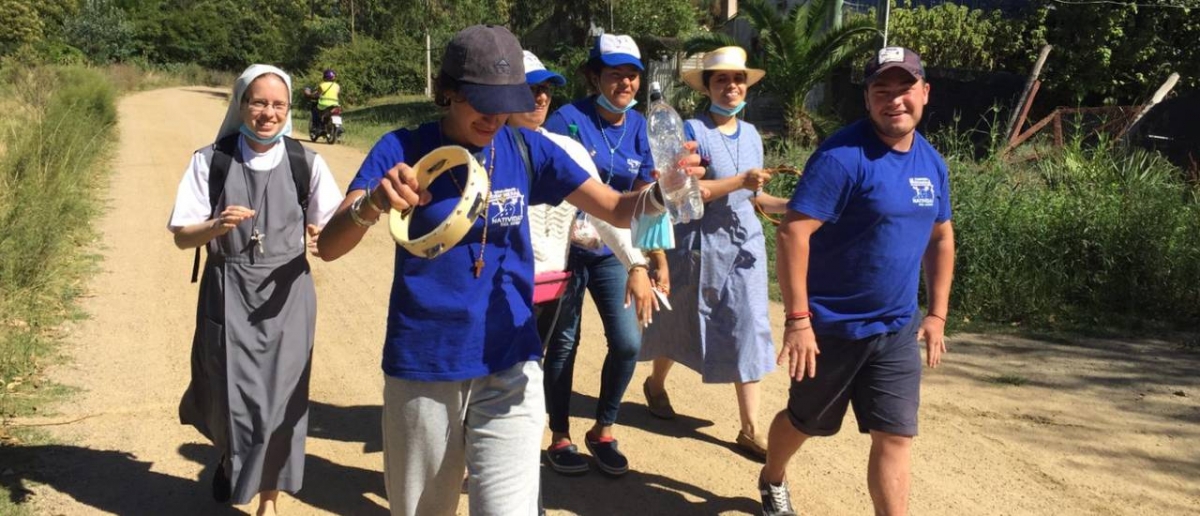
(492,425)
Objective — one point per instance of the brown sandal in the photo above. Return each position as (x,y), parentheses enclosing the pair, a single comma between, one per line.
(658,404)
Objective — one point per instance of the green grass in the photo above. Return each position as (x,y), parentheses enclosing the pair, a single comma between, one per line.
(1013,380)
(51,170)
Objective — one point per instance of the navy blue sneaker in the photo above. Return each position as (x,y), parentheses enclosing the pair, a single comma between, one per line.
(608,458)
(566,460)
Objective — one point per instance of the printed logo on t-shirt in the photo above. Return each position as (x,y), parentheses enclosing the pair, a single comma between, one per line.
(509,207)
(634,165)
(922,191)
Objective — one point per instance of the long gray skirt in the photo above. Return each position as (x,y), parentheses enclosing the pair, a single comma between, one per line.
(251,360)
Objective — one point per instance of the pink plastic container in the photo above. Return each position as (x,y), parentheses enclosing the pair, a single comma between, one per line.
(549,286)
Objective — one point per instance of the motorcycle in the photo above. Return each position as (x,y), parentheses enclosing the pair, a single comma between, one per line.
(328,126)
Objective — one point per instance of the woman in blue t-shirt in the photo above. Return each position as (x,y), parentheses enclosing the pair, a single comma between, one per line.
(615,136)
(463,386)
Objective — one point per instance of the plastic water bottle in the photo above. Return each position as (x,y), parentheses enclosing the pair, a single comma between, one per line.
(665,129)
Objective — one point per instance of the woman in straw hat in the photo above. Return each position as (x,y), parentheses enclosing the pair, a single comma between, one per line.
(462,381)
(252,350)
(719,326)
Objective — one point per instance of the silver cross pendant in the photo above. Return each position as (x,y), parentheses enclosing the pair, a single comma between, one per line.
(257,239)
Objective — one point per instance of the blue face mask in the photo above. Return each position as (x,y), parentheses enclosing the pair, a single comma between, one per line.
(249,134)
(652,232)
(608,106)
(714,108)
(648,231)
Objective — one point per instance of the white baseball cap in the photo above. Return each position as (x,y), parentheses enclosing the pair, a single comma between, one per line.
(617,50)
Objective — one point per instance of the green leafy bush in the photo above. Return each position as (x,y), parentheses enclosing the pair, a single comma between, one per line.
(371,68)
(955,36)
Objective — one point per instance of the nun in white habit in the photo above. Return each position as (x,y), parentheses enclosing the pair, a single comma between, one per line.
(256,315)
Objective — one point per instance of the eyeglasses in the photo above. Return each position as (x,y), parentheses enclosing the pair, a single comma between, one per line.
(538,89)
(258,106)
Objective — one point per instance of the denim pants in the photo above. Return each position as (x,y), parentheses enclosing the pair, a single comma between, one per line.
(605,278)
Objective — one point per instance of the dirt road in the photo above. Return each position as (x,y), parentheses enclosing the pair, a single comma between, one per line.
(1009,426)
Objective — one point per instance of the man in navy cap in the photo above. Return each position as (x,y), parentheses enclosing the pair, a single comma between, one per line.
(872,208)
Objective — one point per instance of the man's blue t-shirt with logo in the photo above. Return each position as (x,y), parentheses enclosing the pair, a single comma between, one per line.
(878,207)
(444,324)
(629,158)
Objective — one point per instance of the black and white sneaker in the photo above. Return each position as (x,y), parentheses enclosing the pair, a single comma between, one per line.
(776,501)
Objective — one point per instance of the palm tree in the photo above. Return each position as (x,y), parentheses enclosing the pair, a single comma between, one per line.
(797,51)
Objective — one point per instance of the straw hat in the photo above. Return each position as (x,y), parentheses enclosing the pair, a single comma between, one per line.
(724,58)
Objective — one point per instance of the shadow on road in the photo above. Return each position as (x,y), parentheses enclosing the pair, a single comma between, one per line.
(110,481)
(332,487)
(223,95)
(356,424)
(635,493)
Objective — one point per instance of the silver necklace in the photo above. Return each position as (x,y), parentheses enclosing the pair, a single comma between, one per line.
(612,149)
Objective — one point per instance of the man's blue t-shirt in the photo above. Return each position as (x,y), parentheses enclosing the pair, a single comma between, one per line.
(444,324)
(621,152)
(878,207)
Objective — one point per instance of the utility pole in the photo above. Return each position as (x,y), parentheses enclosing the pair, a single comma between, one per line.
(886,13)
(428,67)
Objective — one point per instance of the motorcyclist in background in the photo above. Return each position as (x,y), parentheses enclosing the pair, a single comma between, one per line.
(326,96)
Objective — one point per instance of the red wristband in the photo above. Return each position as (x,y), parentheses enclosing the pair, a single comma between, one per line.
(935,316)
(792,316)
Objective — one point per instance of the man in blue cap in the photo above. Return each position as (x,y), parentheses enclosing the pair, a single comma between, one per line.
(872,208)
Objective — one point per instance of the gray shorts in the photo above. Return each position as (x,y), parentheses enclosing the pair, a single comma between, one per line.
(879,375)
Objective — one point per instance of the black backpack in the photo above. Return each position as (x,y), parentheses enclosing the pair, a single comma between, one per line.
(223,152)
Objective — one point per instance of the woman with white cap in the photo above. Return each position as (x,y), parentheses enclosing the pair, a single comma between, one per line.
(719,326)
(615,137)
(550,225)
(255,320)
(462,380)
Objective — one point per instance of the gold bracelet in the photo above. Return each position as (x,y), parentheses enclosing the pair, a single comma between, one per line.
(656,252)
(638,266)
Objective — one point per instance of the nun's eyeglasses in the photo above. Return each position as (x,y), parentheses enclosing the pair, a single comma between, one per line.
(258,106)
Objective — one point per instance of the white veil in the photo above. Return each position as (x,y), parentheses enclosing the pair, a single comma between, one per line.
(233,116)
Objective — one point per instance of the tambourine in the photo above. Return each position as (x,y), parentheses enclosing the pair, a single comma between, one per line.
(472,204)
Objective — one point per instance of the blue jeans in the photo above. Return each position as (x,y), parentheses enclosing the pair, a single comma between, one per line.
(605,278)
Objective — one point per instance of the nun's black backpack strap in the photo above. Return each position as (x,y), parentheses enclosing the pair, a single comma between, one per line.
(222,157)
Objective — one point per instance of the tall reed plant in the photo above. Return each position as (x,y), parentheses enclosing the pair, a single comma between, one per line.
(50,173)
(1095,233)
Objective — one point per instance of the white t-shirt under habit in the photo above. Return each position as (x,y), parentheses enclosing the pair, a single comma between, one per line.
(191,199)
